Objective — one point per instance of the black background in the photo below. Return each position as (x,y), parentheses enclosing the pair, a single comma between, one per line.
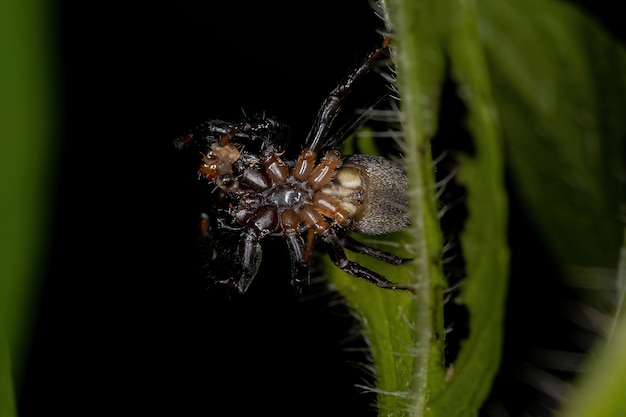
(126,325)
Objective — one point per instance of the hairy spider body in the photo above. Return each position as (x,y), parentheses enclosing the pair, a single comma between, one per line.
(321,194)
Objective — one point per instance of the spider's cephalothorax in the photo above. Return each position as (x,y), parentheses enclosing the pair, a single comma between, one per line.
(321,194)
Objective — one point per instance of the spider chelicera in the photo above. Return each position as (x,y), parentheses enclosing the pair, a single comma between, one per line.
(320,195)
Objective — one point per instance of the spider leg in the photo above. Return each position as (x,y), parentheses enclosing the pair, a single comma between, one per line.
(330,107)
(339,258)
(207,132)
(250,254)
(214,250)
(348,128)
(249,251)
(299,268)
(358,247)
(298,251)
(275,133)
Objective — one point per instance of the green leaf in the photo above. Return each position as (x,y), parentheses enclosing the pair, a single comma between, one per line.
(406,333)
(542,83)
(560,86)
(24,174)
(601,392)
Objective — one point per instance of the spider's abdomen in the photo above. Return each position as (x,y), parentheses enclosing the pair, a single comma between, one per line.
(384,205)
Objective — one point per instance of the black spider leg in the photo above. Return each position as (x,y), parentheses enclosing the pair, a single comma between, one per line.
(250,255)
(273,135)
(209,131)
(267,132)
(339,258)
(358,247)
(348,128)
(249,252)
(319,135)
(215,251)
(299,269)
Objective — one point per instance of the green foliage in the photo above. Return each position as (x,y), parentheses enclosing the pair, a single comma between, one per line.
(24,171)
(600,393)
(544,86)
(560,85)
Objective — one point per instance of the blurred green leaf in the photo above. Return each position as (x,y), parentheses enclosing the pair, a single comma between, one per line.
(560,86)
(25,148)
(600,392)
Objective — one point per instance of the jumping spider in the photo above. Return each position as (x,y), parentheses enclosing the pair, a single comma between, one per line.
(321,194)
